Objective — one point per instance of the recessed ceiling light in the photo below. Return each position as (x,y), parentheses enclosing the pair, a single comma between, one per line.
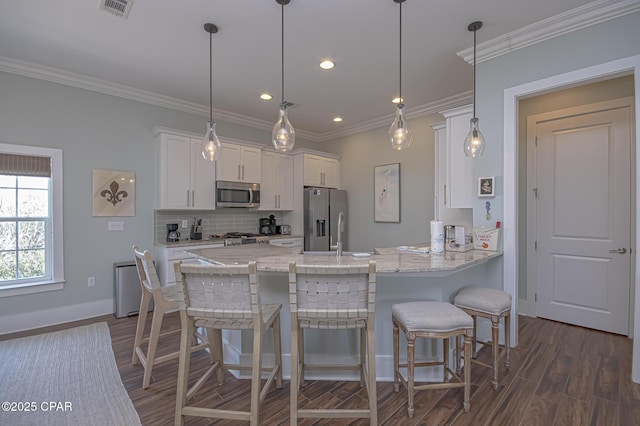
(396,100)
(266,97)
(337,119)
(327,64)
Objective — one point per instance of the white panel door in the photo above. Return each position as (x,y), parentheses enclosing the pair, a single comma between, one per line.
(583,216)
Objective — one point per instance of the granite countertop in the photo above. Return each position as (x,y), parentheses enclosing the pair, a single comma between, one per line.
(388,260)
(208,241)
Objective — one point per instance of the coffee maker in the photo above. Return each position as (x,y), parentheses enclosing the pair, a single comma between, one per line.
(267,225)
(172,232)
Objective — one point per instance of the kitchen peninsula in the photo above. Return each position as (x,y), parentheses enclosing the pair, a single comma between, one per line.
(401,277)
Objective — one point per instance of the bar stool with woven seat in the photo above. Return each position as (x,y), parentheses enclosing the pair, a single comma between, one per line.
(431,320)
(494,305)
(333,297)
(164,299)
(225,297)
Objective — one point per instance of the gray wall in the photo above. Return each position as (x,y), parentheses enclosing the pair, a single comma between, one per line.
(360,153)
(94,131)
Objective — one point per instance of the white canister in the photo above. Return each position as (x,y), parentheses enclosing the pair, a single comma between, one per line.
(437,236)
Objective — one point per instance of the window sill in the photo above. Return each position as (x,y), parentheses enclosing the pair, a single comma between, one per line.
(16,290)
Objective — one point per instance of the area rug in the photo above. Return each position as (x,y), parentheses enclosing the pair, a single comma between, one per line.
(68,377)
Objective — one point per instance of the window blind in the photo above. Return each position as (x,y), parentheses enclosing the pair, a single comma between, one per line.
(25,165)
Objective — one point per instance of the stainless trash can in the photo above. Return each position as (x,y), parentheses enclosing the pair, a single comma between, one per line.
(127,289)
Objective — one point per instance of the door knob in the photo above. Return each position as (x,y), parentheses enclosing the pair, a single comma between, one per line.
(621,250)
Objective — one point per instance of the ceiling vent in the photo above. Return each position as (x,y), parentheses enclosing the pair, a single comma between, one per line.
(119,8)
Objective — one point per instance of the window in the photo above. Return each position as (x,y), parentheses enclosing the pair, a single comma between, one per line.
(31,258)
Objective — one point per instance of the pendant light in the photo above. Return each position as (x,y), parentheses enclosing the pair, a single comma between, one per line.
(399,133)
(283,135)
(474,142)
(211,143)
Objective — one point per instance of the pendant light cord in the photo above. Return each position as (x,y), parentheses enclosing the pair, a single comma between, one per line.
(210,77)
(401,101)
(282,51)
(474,72)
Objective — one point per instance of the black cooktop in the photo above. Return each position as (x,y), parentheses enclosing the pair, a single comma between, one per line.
(239,235)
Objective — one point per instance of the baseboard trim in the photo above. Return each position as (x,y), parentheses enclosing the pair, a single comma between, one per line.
(53,316)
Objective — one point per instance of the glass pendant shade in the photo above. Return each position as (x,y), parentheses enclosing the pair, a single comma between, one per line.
(211,143)
(474,142)
(399,133)
(283,135)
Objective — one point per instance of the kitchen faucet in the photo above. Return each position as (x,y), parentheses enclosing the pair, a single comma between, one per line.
(340,229)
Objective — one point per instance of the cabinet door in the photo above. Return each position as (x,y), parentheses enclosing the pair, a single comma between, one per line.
(268,184)
(331,173)
(251,165)
(313,170)
(203,174)
(229,164)
(174,169)
(284,178)
(459,167)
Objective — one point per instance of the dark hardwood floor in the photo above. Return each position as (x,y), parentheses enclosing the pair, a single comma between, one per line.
(560,375)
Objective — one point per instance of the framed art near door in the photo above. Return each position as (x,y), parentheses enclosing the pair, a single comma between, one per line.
(386,193)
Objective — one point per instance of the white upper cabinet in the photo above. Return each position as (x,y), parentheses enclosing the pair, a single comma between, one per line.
(321,171)
(239,163)
(448,215)
(184,179)
(276,187)
(458,167)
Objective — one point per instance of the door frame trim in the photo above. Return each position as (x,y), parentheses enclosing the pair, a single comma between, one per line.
(607,70)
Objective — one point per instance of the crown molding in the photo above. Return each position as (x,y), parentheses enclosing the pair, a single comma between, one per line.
(576,19)
(55,75)
(410,113)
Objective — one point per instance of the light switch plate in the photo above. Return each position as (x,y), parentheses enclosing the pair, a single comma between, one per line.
(185,223)
(115,226)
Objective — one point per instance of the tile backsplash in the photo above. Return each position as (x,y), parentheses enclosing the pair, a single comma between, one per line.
(213,221)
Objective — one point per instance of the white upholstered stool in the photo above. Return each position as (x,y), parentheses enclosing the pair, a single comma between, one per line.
(432,320)
(491,304)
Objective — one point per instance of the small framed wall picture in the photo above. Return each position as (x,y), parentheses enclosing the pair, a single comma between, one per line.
(486,186)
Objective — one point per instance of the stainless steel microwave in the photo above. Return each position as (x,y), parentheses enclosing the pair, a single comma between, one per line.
(237,194)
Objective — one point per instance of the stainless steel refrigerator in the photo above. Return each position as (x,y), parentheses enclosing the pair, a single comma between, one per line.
(322,208)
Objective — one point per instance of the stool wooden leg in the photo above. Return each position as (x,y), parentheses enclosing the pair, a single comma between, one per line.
(256,370)
(295,380)
(410,371)
(142,320)
(474,354)
(495,346)
(507,340)
(371,375)
(458,355)
(363,345)
(396,355)
(277,344)
(467,372)
(445,358)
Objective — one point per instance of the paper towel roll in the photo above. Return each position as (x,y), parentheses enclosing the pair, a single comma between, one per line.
(437,236)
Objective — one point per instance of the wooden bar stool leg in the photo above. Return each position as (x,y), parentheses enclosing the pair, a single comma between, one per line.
(458,355)
(445,358)
(188,328)
(507,340)
(277,344)
(295,380)
(396,355)
(467,372)
(371,376)
(156,324)
(474,354)
(495,346)
(363,347)
(256,370)
(142,321)
(410,372)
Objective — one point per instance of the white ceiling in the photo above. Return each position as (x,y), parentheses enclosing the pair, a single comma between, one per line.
(162,48)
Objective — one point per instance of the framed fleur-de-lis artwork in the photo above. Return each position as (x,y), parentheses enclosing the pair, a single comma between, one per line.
(114,193)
